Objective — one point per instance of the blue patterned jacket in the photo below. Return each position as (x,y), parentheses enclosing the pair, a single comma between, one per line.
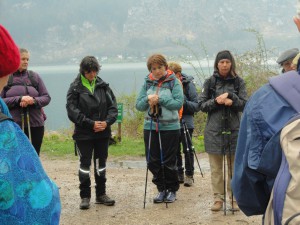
(27,194)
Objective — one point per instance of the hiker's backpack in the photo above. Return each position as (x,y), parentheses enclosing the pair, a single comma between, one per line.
(28,195)
(284,204)
(33,82)
(185,84)
(32,77)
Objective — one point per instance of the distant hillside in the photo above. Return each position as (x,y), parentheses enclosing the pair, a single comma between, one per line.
(61,31)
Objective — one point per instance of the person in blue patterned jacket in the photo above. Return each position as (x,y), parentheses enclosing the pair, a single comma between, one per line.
(27,194)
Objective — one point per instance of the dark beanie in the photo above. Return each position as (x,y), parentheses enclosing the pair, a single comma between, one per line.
(224,55)
(9,53)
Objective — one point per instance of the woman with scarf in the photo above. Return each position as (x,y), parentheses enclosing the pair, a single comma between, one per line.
(160,98)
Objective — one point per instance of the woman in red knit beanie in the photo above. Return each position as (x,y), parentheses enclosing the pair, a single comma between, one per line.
(9,56)
(28,195)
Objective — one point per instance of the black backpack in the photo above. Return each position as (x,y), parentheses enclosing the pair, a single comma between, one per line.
(33,81)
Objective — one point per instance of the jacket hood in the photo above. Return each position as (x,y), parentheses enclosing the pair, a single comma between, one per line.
(287,85)
(186,78)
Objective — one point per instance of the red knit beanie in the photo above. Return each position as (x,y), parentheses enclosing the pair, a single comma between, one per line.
(9,53)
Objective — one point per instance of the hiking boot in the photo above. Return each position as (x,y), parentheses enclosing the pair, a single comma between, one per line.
(235,206)
(181,178)
(105,200)
(85,203)
(170,197)
(188,181)
(217,206)
(159,197)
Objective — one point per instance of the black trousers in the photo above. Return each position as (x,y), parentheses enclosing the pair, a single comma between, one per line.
(37,135)
(188,155)
(98,149)
(162,161)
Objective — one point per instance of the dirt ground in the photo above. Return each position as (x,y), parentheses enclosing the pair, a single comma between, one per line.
(126,184)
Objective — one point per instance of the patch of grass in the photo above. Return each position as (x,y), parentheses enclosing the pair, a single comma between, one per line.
(128,147)
(58,144)
(198,143)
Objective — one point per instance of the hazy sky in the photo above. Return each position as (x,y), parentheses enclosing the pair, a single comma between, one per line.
(56,30)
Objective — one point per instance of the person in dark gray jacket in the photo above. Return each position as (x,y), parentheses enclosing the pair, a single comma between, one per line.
(223,97)
(92,107)
(190,107)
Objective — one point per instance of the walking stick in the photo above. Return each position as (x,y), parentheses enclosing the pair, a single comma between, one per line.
(230,170)
(161,155)
(224,157)
(187,144)
(227,132)
(22,118)
(192,147)
(28,124)
(147,159)
(229,152)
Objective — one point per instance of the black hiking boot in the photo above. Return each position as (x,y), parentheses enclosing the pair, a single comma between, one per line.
(159,197)
(170,197)
(105,200)
(85,203)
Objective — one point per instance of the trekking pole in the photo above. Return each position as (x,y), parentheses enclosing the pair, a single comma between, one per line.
(291,218)
(224,178)
(147,159)
(187,145)
(161,156)
(230,172)
(224,158)
(22,118)
(229,152)
(192,147)
(28,124)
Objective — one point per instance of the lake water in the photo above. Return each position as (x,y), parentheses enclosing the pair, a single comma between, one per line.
(124,78)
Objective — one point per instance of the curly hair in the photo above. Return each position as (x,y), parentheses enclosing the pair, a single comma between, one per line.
(88,64)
